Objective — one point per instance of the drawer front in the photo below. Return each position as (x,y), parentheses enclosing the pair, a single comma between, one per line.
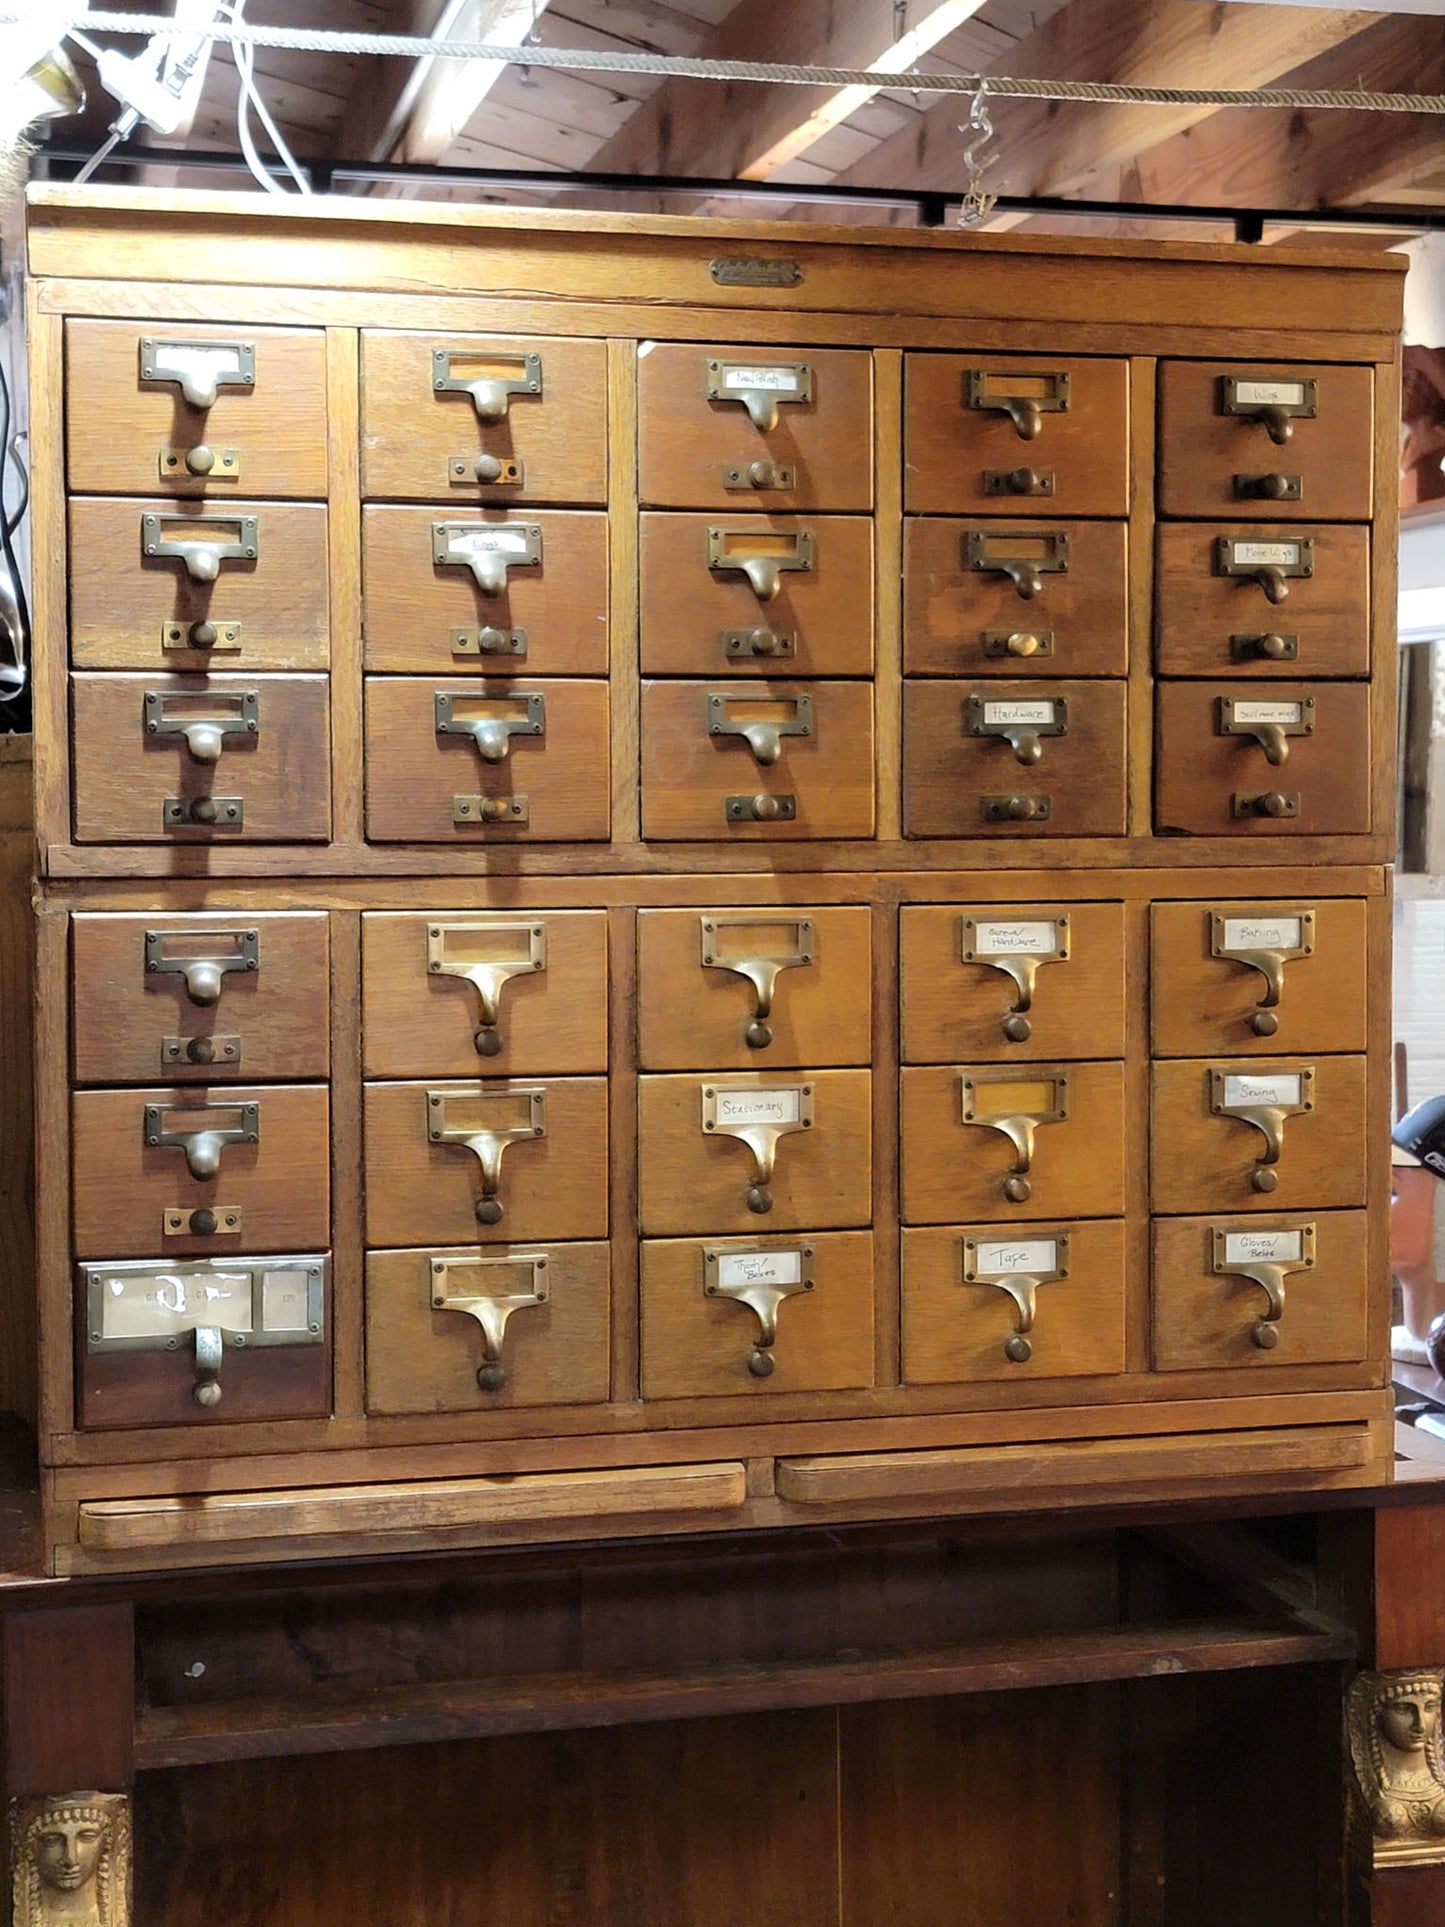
(756,595)
(984,1165)
(746,989)
(431,784)
(963,775)
(1269,1291)
(510,1160)
(989,598)
(753,1316)
(136,601)
(1011,981)
(485,418)
(195,425)
(141,1361)
(1234,1135)
(200,998)
(138,785)
(459,992)
(699,1173)
(1216,612)
(1258,978)
(1233,760)
(1266,439)
(477,1330)
(728,427)
(989,1304)
(524,594)
(183,1172)
(1015,434)
(806,769)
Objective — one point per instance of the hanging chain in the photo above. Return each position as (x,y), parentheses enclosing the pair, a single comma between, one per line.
(977,203)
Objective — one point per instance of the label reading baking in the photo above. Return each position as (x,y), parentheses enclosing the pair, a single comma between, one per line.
(1245,712)
(1015,939)
(1015,1257)
(159,1303)
(1281,1088)
(1263,1247)
(1269,394)
(1275,555)
(758,1107)
(499,541)
(284,1301)
(737,1269)
(780,381)
(1255,933)
(173,361)
(1009,715)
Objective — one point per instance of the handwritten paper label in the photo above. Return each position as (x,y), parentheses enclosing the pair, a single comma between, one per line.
(737,1269)
(1284,1087)
(1009,715)
(758,1107)
(1268,712)
(1015,939)
(1277,555)
(1270,394)
(481,541)
(1016,1257)
(1263,1247)
(781,381)
(1252,933)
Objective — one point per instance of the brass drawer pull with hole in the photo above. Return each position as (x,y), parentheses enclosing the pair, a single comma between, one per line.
(1015,1104)
(770,807)
(763,734)
(1274,404)
(235,539)
(481,810)
(478,1286)
(1018,1266)
(202,1142)
(490,721)
(779,644)
(1023,643)
(490,376)
(725,947)
(1024,398)
(202,957)
(1262,1096)
(1274,803)
(762,1280)
(204,813)
(760,475)
(1271,487)
(1025,558)
(1265,941)
(1018,946)
(758,1119)
(486,1123)
(1270,647)
(211,637)
(764,556)
(202,461)
(488,549)
(205,718)
(222,1221)
(1018,481)
(1018,808)
(1270,723)
(199,368)
(1273,565)
(1266,1255)
(489,641)
(1022,722)
(487,956)
(210,1047)
(491,471)
(759,386)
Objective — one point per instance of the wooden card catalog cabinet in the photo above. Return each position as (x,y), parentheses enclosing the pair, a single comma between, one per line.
(636,857)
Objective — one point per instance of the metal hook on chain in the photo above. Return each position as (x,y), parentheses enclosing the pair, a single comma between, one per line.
(977,204)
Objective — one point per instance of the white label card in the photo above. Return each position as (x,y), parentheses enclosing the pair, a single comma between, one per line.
(1283,1087)
(166,1302)
(1272,933)
(741,1268)
(1015,939)
(758,1107)
(1015,1257)
(1267,394)
(283,1301)
(1007,715)
(780,381)
(1263,1247)
(499,541)
(178,362)
(1268,712)
(1278,555)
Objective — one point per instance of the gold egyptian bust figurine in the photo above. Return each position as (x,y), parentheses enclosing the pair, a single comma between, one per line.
(71,1860)
(1395,1741)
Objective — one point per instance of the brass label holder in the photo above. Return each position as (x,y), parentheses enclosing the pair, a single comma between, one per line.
(763,557)
(1025,558)
(490,721)
(762,1278)
(1022,722)
(759,387)
(1273,565)
(463,1282)
(515,950)
(205,718)
(1024,397)
(501,375)
(200,554)
(760,965)
(516,1116)
(1270,722)
(758,1117)
(763,735)
(176,951)
(1022,1101)
(487,549)
(1018,945)
(199,368)
(1265,940)
(203,1144)
(1276,405)
(1017,1266)
(1262,1096)
(1266,1254)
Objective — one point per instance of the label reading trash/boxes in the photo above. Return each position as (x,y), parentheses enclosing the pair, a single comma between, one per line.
(1263,1247)
(739,1268)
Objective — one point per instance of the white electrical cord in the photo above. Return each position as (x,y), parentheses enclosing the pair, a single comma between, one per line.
(248,97)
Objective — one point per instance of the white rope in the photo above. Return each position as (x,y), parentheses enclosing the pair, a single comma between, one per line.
(687,67)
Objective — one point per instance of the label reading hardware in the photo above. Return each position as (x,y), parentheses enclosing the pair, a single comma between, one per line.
(1001,715)
(1017,947)
(1015,940)
(1021,723)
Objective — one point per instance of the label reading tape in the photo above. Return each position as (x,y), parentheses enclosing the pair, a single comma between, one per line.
(1015,1257)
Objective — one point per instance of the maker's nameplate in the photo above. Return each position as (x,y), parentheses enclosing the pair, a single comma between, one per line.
(1275,555)
(162,1303)
(758,1107)
(1013,715)
(1273,933)
(1263,1247)
(1279,1088)
(1015,939)
(1251,712)
(1015,1257)
(750,271)
(1269,394)
(738,1269)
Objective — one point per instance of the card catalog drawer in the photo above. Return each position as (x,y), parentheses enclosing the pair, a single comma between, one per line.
(186,759)
(185,1172)
(1236,760)
(458,992)
(725,427)
(175,408)
(196,998)
(1259,977)
(491,418)
(1015,598)
(1006,980)
(756,595)
(198,585)
(476,1330)
(745,1153)
(1287,1135)
(1014,434)
(993,1303)
(1262,602)
(1028,1141)
(524,594)
(757,1315)
(494,1161)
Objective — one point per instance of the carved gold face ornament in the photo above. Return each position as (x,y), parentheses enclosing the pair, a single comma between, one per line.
(1407,1721)
(67,1852)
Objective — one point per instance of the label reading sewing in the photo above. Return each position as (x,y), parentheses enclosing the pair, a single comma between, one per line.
(737,1269)
(1279,1088)
(1272,933)
(1269,394)
(1010,715)
(1015,1257)
(1245,712)
(1015,939)
(1263,1247)
(781,381)
(758,1107)
(1274,555)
